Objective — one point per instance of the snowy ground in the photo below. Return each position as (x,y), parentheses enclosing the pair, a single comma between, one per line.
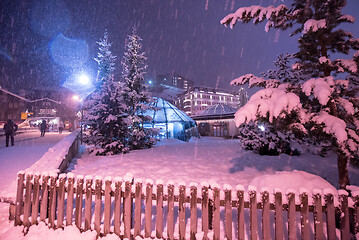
(211,160)
(29,147)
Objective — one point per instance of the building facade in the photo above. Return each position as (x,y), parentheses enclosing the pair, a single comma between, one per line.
(197,99)
(174,80)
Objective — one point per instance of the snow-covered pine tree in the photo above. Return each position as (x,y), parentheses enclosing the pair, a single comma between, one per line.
(320,106)
(104,107)
(242,97)
(135,96)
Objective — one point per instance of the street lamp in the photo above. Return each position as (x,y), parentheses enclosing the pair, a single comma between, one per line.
(78,99)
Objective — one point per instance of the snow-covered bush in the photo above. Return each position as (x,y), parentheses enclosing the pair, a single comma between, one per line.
(264,140)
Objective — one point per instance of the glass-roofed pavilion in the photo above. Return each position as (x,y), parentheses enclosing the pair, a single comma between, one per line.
(170,121)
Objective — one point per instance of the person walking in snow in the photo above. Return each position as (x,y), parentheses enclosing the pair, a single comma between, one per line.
(10,128)
(43,127)
(61,126)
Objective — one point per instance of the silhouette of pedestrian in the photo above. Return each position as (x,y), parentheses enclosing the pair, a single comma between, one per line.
(10,128)
(43,127)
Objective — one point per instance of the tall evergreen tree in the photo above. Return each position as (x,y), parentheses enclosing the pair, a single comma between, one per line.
(105,108)
(135,96)
(319,106)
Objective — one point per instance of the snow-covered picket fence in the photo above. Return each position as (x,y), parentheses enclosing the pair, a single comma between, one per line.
(130,208)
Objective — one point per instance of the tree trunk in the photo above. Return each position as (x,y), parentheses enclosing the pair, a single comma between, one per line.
(343,170)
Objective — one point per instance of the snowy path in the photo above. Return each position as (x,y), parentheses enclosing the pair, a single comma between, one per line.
(29,147)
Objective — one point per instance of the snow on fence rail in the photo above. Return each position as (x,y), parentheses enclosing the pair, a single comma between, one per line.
(117,207)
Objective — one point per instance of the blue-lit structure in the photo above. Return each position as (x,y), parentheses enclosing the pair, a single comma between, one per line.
(170,121)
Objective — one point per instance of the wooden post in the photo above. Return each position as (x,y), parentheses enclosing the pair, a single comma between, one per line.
(159,214)
(27,203)
(329,200)
(19,198)
(138,208)
(127,213)
(117,210)
(344,217)
(253,214)
(182,212)
(292,232)
(205,220)
(70,198)
(35,199)
(304,211)
(61,201)
(107,208)
(88,202)
(216,213)
(98,200)
(148,210)
(228,212)
(44,197)
(279,234)
(318,215)
(170,214)
(240,212)
(265,215)
(79,198)
(193,218)
(52,201)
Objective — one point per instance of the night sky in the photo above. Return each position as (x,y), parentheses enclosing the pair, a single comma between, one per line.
(48,42)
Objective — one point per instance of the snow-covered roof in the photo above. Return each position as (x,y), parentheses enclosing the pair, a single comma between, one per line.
(28,100)
(218,109)
(166,112)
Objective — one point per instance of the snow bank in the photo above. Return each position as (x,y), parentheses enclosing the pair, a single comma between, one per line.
(53,158)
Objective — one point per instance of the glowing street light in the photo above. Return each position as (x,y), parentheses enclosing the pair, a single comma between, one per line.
(76,98)
(83,79)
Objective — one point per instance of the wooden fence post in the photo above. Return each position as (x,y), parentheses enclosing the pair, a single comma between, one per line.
(240,211)
(329,200)
(61,200)
(44,197)
(19,197)
(193,207)
(159,208)
(344,216)
(98,200)
(148,209)
(127,210)
(265,215)
(88,201)
(35,199)
(279,234)
(216,213)
(107,208)
(228,211)
(52,200)
(304,211)
(205,220)
(292,233)
(27,203)
(182,212)
(79,198)
(170,214)
(70,198)
(318,214)
(117,210)
(253,213)
(138,208)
